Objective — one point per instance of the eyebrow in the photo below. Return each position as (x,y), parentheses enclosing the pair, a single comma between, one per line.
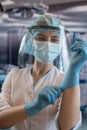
(41,35)
(55,36)
(45,35)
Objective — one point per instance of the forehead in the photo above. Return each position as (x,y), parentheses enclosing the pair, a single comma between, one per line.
(48,34)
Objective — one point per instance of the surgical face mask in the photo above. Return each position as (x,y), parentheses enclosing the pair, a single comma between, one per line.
(46,52)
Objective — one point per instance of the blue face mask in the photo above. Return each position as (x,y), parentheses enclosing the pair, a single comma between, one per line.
(46,52)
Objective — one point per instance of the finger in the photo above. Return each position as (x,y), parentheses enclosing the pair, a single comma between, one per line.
(53,90)
(79,40)
(52,95)
(79,47)
(84,45)
(59,90)
(45,97)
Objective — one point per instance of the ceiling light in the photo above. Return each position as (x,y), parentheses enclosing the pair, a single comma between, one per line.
(7,2)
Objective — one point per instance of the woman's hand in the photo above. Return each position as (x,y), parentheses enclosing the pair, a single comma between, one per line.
(47,96)
(71,78)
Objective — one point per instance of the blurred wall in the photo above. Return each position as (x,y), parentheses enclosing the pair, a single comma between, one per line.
(10,39)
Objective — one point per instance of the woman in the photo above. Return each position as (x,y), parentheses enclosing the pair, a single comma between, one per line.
(25,102)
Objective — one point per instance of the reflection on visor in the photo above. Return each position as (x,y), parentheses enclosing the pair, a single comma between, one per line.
(44,27)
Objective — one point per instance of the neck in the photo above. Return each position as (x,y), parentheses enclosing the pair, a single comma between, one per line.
(41,69)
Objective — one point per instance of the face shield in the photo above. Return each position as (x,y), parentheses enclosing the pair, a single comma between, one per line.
(26,44)
(28,38)
(65,50)
(24,58)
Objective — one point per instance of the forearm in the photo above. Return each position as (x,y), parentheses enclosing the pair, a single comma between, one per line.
(70,108)
(12,115)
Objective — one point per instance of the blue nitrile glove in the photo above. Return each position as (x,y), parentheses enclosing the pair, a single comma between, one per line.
(71,78)
(47,96)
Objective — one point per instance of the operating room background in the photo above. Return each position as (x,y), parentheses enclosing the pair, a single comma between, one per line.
(16,16)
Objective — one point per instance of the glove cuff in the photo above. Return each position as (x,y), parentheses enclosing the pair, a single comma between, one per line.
(71,79)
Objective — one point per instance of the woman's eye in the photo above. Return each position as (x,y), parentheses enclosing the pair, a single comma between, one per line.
(40,39)
(55,40)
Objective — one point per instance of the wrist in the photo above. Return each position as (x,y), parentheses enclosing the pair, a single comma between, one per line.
(31,108)
(70,80)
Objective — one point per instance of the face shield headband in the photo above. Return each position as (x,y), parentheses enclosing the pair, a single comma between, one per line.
(44,28)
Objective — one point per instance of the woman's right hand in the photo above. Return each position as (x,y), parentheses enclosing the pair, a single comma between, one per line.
(47,96)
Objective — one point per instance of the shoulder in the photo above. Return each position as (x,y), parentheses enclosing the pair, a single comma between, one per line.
(20,71)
